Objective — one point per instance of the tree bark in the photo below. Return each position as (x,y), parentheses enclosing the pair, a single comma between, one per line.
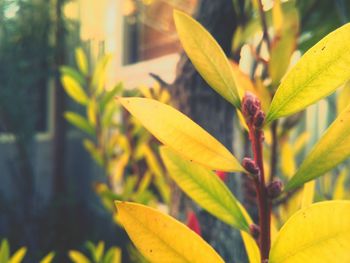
(192,96)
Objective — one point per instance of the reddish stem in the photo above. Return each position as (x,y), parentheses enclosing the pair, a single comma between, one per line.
(264,203)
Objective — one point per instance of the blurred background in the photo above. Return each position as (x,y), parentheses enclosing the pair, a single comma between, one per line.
(67,149)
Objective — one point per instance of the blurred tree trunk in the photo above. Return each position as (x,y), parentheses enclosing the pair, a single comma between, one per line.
(196,99)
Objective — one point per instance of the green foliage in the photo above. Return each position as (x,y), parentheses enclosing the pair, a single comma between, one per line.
(19,255)
(97,254)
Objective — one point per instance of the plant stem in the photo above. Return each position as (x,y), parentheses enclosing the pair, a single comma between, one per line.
(264,24)
(264,203)
(274,143)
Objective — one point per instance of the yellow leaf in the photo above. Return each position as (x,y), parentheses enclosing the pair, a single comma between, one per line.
(92,112)
(176,130)
(249,242)
(316,75)
(251,248)
(78,257)
(277,16)
(117,255)
(308,194)
(287,160)
(340,187)
(319,233)
(343,98)
(207,56)
(19,255)
(205,188)
(160,238)
(332,149)
(74,90)
(100,248)
(286,23)
(99,75)
(81,60)
(48,258)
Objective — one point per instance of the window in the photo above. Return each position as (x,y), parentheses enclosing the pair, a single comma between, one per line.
(139,33)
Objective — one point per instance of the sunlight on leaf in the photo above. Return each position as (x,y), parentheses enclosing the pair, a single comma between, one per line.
(319,233)
(74,90)
(18,256)
(207,56)
(160,237)
(176,130)
(317,74)
(332,149)
(205,188)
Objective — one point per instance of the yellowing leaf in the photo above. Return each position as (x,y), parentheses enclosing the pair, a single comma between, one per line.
(78,257)
(207,56)
(160,238)
(81,60)
(343,98)
(316,75)
(74,90)
(91,112)
(319,233)
(100,248)
(205,188)
(285,41)
(249,242)
(18,256)
(251,247)
(340,187)
(287,159)
(308,194)
(99,75)
(277,16)
(332,149)
(176,130)
(48,258)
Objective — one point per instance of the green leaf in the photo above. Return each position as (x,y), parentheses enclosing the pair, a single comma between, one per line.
(74,89)
(161,238)
(73,73)
(81,61)
(48,258)
(319,233)
(80,122)
(318,73)
(4,251)
(99,75)
(110,95)
(176,130)
(207,57)
(332,149)
(205,188)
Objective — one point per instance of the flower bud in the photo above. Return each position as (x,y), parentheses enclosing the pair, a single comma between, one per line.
(259,119)
(250,166)
(254,230)
(250,105)
(274,189)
